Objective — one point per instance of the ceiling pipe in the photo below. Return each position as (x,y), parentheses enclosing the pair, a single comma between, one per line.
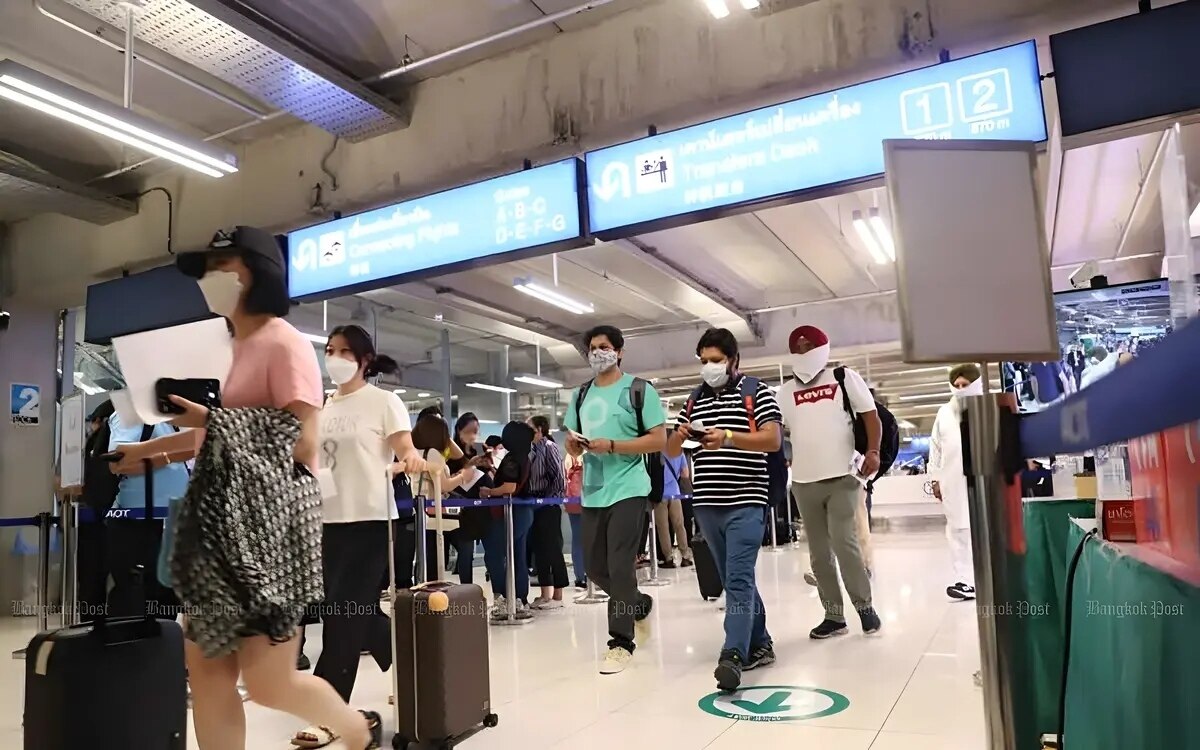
(545,20)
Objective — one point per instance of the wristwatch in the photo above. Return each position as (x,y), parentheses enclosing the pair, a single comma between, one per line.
(728,439)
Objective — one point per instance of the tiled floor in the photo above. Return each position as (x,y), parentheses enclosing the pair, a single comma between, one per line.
(908,688)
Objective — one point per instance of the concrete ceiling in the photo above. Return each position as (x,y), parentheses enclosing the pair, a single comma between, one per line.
(586,81)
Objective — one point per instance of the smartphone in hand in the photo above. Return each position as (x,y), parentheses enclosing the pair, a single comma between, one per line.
(203,391)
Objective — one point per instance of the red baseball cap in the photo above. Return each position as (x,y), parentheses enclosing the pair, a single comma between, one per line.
(811,334)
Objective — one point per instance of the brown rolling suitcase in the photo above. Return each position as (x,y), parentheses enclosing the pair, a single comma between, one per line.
(442,678)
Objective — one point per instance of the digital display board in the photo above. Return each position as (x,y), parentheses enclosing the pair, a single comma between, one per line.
(534,210)
(821,140)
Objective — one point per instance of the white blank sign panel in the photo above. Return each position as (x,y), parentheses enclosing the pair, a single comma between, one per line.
(971,257)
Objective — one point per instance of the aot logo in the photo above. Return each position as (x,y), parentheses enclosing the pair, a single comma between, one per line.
(813,395)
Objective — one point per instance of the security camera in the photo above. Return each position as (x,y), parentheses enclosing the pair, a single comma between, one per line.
(1082,277)
(5,319)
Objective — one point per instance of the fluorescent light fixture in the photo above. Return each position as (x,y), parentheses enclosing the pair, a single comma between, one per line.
(718,8)
(883,233)
(875,235)
(489,387)
(84,385)
(50,96)
(925,397)
(750,4)
(399,391)
(550,296)
(488,421)
(424,395)
(538,381)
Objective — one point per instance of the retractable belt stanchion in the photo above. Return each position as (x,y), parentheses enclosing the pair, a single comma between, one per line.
(593,595)
(774,532)
(654,580)
(793,532)
(510,570)
(43,574)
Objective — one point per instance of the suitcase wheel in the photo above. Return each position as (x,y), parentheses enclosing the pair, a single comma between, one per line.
(491,720)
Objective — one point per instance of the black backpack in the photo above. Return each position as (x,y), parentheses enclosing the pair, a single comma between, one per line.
(777,470)
(637,400)
(889,442)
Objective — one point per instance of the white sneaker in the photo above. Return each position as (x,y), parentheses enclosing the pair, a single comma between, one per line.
(500,607)
(523,611)
(615,661)
(544,604)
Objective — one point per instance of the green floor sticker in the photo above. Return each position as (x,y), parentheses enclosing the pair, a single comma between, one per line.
(775,703)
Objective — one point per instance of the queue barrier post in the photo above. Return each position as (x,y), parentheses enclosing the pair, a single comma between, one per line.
(509,617)
(775,533)
(654,580)
(70,565)
(43,571)
(593,595)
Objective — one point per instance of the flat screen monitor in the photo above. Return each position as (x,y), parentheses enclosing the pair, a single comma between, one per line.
(1098,330)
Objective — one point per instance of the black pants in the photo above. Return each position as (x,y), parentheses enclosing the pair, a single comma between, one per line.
(354,554)
(92,567)
(644,544)
(547,543)
(610,537)
(129,544)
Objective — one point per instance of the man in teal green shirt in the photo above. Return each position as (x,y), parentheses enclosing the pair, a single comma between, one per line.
(616,482)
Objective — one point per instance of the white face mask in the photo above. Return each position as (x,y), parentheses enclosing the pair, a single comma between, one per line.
(810,364)
(222,291)
(603,360)
(341,371)
(974,389)
(716,374)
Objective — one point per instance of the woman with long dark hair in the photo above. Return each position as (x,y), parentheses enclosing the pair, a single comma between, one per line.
(365,439)
(243,619)
(473,523)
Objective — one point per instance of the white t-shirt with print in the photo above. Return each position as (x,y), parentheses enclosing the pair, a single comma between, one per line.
(822,432)
(355,449)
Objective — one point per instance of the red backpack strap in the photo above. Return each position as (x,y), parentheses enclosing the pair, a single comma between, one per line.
(749,389)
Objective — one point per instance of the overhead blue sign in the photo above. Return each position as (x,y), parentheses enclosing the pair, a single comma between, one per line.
(437,233)
(817,141)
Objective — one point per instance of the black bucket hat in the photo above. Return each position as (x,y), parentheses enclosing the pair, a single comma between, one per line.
(242,240)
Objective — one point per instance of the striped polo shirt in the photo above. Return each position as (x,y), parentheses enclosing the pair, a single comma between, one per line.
(731,476)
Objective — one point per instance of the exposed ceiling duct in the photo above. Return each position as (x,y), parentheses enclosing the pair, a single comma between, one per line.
(231,47)
(26,190)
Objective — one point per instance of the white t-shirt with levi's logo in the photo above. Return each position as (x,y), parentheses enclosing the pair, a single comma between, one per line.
(822,432)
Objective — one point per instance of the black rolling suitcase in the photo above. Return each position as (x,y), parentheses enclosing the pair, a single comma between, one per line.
(707,574)
(114,684)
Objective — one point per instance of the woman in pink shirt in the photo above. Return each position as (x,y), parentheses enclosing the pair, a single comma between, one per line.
(242,277)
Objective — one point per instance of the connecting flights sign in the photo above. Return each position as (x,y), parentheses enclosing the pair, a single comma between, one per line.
(820,140)
(438,233)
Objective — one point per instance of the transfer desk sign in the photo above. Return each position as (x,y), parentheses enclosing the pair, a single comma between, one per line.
(821,140)
(439,233)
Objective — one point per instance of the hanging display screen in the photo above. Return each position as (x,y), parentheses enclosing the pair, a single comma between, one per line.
(826,139)
(530,212)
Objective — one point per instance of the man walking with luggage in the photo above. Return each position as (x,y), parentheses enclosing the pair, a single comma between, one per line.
(731,490)
(826,471)
(620,420)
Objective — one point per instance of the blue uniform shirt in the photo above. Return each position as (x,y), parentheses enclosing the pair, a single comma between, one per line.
(170,482)
(671,478)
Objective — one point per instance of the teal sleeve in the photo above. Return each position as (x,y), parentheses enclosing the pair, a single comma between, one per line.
(653,413)
(570,418)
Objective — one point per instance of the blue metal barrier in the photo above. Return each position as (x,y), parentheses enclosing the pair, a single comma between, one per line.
(1155,392)
(8,522)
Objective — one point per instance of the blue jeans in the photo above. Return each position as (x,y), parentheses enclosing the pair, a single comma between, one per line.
(495,552)
(577,564)
(734,536)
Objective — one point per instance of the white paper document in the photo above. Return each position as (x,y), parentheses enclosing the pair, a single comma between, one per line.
(196,350)
(472,478)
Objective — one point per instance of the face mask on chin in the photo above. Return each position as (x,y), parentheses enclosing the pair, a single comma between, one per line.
(810,364)
(603,360)
(341,371)
(222,291)
(715,374)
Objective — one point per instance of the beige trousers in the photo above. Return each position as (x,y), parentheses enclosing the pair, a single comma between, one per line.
(671,511)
